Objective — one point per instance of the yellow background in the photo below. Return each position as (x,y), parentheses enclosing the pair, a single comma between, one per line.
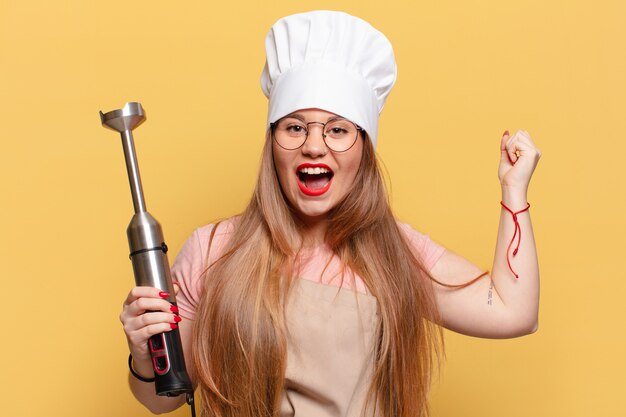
(467,71)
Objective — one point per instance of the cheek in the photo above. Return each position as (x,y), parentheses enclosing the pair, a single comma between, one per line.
(280,164)
(352,165)
(352,175)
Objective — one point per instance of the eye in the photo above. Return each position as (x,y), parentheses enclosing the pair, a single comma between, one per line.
(337,130)
(295,128)
(340,129)
(292,127)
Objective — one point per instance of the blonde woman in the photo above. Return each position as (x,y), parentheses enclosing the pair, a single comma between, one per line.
(316,301)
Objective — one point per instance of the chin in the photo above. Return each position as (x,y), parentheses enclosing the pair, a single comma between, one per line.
(311,214)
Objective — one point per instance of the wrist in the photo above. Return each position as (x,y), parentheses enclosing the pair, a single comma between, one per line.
(141,369)
(514,198)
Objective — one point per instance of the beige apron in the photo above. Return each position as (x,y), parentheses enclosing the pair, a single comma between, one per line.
(330,350)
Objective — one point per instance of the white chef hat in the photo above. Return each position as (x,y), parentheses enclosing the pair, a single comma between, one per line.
(328,60)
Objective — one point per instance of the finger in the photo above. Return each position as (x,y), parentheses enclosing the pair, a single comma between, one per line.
(524,146)
(149,292)
(142,305)
(140,337)
(528,141)
(510,148)
(176,288)
(149,319)
(503,141)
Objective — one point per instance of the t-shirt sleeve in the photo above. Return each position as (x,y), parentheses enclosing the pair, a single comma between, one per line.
(191,264)
(186,272)
(428,251)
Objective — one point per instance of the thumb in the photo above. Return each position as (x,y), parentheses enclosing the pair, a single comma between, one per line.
(503,149)
(176,288)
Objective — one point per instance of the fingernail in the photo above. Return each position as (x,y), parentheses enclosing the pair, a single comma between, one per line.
(506,133)
(173,326)
(177,319)
(164,294)
(173,309)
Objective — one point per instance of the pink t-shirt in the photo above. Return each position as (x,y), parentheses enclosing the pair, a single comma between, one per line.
(318,264)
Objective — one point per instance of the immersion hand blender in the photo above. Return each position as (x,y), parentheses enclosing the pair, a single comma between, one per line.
(148,253)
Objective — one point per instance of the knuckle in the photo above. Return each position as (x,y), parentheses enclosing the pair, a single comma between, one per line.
(145,320)
(152,330)
(141,303)
(136,339)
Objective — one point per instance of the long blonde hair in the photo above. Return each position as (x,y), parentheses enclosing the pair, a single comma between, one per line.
(239,347)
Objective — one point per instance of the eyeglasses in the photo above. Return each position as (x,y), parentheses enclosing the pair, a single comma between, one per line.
(339,134)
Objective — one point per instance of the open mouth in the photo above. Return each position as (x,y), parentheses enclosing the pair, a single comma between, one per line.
(314,179)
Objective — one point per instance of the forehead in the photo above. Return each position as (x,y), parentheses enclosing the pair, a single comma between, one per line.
(312,114)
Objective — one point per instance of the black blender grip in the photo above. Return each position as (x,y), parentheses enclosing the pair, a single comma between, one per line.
(170,373)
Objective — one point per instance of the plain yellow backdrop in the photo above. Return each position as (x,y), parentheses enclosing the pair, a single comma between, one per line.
(467,71)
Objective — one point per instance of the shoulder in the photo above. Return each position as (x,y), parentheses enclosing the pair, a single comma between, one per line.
(222,228)
(196,247)
(203,247)
(216,233)
(410,233)
(427,251)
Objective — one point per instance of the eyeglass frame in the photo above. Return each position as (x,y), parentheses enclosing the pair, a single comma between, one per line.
(306,136)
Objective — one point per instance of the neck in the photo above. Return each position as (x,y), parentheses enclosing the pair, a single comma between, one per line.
(313,231)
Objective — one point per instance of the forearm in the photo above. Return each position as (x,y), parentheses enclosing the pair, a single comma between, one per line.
(502,306)
(145,392)
(520,295)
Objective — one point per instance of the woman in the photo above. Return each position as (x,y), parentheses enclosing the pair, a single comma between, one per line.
(316,301)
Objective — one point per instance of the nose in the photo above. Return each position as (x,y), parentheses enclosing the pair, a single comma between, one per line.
(314,145)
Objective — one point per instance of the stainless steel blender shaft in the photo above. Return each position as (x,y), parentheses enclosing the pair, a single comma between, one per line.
(145,236)
(124,121)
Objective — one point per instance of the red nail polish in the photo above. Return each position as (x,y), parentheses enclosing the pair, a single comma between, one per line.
(173,326)
(506,133)
(177,319)
(164,294)
(173,309)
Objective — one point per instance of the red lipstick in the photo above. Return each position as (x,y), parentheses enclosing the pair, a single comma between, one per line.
(313,192)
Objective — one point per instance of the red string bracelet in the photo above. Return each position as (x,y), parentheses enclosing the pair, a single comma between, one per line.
(517,232)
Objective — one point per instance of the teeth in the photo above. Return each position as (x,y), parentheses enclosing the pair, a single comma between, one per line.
(314,171)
